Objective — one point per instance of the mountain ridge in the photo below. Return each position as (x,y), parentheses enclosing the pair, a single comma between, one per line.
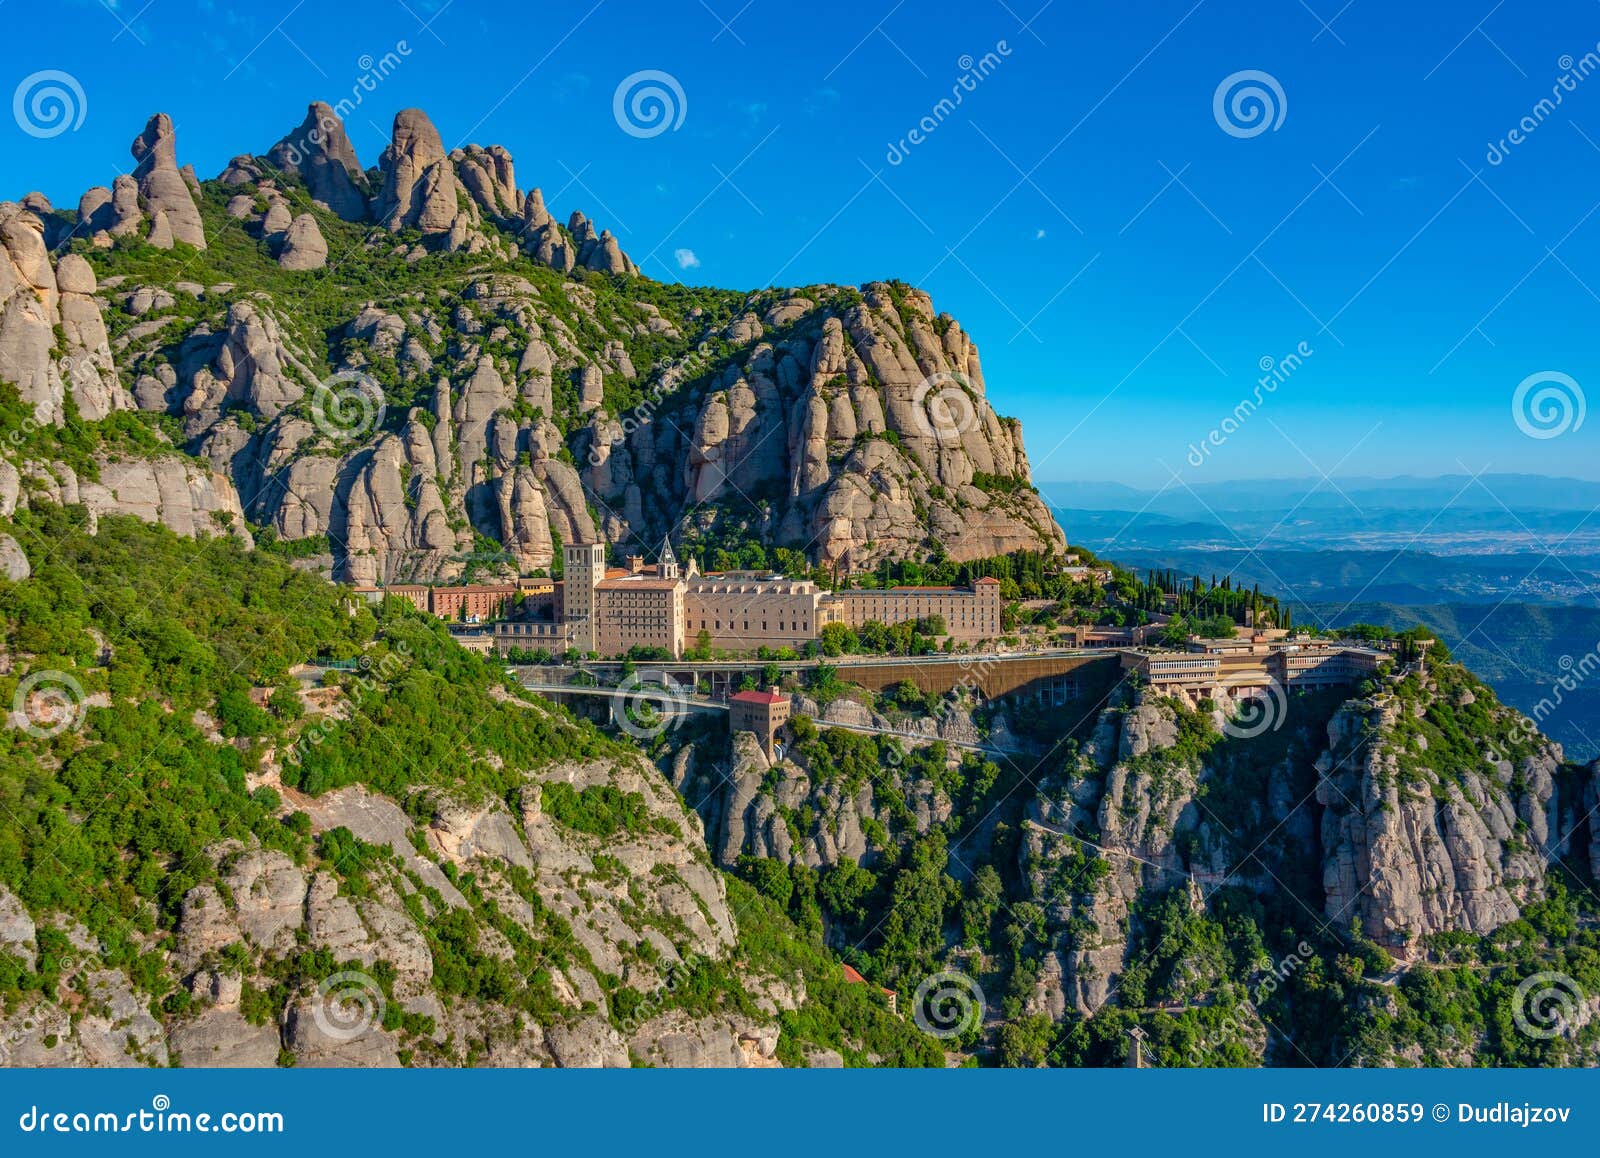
(414,371)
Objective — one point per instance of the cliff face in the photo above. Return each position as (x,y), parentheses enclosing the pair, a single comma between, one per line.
(533,871)
(475,382)
(801,810)
(1420,836)
(1428,808)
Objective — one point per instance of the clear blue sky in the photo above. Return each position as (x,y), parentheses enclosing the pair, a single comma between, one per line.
(1123,262)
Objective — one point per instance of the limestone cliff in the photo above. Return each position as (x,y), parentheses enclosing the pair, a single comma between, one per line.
(1424,831)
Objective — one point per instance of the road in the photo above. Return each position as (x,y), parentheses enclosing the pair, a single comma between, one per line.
(965,659)
(670,705)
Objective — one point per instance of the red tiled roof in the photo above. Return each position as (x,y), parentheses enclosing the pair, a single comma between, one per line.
(852,976)
(758,698)
(988,579)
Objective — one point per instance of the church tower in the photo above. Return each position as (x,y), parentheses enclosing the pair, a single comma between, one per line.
(583,567)
(669,561)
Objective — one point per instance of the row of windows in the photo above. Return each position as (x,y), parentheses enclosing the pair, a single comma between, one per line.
(716,625)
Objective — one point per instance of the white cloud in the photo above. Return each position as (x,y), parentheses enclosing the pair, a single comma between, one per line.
(1039,236)
(686,259)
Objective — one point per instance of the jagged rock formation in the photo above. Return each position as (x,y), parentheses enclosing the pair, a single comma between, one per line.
(1138,815)
(1416,844)
(583,403)
(303,246)
(267,906)
(419,187)
(167,197)
(1375,825)
(319,153)
(750,806)
(38,302)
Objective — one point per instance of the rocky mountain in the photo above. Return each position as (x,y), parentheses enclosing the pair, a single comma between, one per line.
(1425,808)
(209,857)
(415,371)
(1168,866)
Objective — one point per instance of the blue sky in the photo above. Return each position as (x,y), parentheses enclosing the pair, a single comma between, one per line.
(1123,261)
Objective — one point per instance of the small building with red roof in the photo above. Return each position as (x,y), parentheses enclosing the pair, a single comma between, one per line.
(761,712)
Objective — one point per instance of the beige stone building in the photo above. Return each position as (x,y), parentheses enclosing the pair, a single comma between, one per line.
(639,611)
(969,613)
(611,611)
(748,610)
(583,570)
(763,712)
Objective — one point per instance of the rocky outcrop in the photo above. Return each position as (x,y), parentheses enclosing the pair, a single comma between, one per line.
(750,806)
(559,411)
(303,246)
(543,237)
(1137,800)
(419,183)
(320,153)
(52,338)
(598,251)
(247,363)
(1416,844)
(182,495)
(14,566)
(18,937)
(166,195)
(902,388)
(488,176)
(651,887)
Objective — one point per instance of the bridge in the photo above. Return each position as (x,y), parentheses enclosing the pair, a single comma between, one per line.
(1051,677)
(675,704)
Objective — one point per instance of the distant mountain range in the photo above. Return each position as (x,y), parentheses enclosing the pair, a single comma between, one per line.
(1519,650)
(1452,514)
(1505,568)
(1486,492)
(1337,577)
